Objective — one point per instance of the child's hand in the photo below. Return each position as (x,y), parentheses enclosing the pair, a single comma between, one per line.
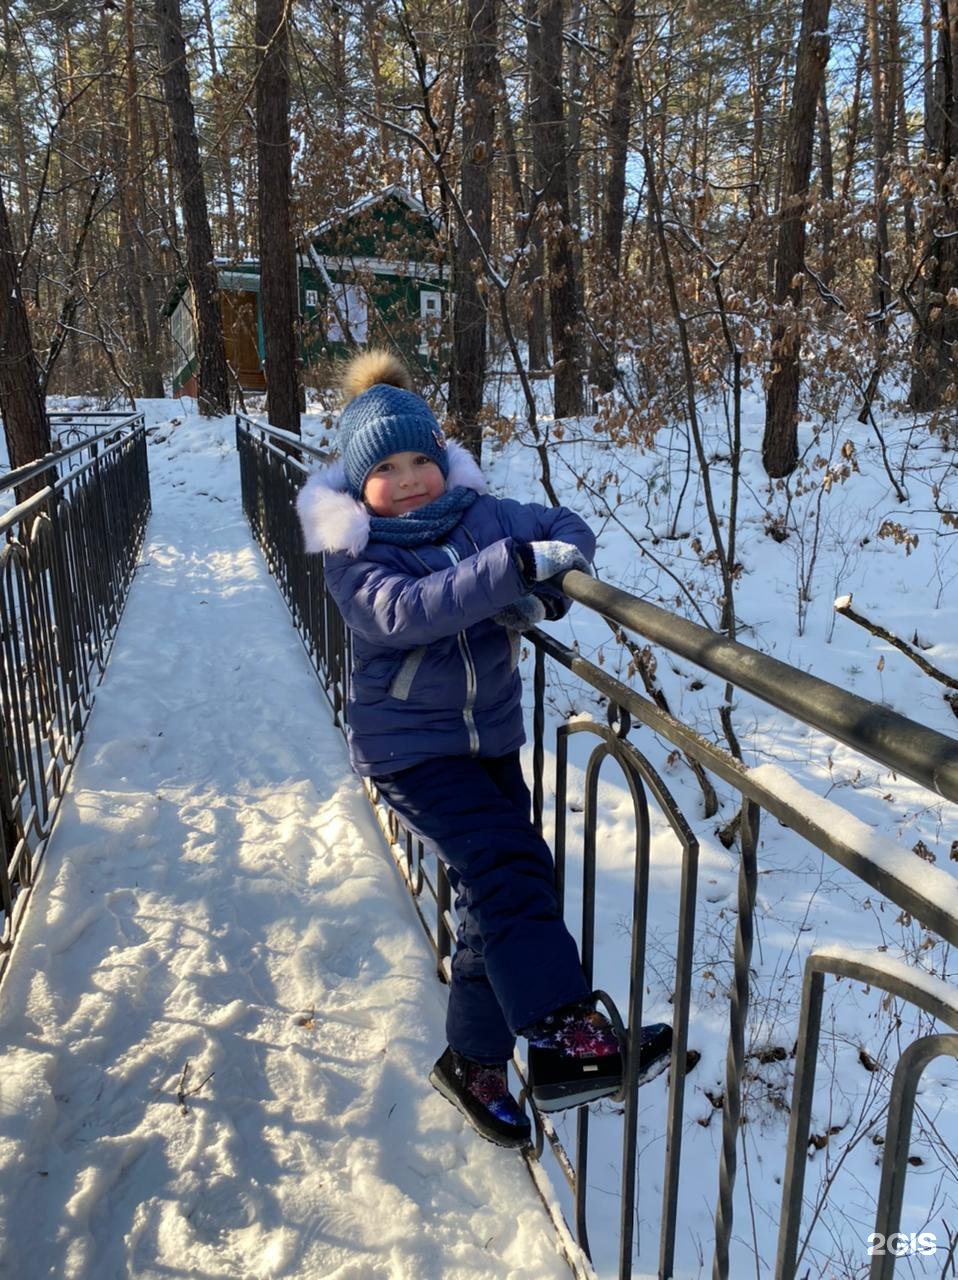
(544,559)
(522,615)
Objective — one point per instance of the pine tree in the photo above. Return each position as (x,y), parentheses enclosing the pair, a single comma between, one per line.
(279,290)
(212,378)
(25,422)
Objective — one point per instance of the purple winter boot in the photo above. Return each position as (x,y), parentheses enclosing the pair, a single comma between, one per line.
(575,1056)
(481,1093)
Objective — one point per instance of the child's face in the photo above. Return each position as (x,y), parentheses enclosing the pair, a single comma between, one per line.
(402,482)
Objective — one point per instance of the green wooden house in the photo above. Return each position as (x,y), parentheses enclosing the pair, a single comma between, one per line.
(373,275)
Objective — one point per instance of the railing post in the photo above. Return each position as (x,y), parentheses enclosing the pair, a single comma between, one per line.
(799,1123)
(443,909)
(895,1149)
(11,824)
(738,1018)
(65,620)
(538,736)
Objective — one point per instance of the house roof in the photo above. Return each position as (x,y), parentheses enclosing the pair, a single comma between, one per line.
(233,271)
(395,192)
(240,266)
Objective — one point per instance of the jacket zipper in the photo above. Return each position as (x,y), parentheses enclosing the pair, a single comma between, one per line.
(472,686)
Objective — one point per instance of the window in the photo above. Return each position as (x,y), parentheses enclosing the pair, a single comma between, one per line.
(354,306)
(183,330)
(430,317)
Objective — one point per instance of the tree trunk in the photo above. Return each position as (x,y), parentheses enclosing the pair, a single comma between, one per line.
(279,291)
(898,114)
(372,24)
(511,156)
(533,276)
(468,373)
(25,421)
(780,442)
(549,147)
(928,74)
(827,171)
(574,95)
(218,93)
(935,370)
(783,136)
(854,121)
(757,100)
(212,377)
(340,74)
(140,283)
(602,370)
(22,215)
(881,145)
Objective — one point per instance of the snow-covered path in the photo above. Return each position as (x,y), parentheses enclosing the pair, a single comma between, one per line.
(217,894)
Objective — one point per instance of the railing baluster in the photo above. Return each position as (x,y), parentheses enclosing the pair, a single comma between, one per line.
(738,1018)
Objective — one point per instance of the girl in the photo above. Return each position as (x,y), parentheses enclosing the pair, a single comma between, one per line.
(436,578)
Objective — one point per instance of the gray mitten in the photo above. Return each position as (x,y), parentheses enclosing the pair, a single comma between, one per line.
(544,559)
(522,615)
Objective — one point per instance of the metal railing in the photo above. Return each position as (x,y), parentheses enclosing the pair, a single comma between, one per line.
(273,465)
(66,561)
(68,428)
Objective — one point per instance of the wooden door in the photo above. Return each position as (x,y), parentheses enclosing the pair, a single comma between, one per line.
(239,334)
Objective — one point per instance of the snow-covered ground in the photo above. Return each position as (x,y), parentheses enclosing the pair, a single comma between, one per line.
(217,892)
(217,917)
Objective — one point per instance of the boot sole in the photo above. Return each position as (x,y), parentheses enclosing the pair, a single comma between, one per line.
(563,1097)
(490,1135)
(556,1100)
(655,1068)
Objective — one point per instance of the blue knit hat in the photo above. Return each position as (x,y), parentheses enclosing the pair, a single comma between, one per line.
(385,420)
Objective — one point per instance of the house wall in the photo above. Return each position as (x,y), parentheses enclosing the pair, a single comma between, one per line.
(386,254)
(183,333)
(394,313)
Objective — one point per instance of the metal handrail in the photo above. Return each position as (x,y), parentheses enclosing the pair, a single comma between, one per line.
(933,899)
(272,468)
(62,482)
(67,557)
(41,465)
(922,754)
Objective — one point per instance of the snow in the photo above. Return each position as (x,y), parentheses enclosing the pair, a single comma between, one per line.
(217,894)
(931,882)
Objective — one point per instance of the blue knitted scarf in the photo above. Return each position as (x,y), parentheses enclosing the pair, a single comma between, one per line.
(425,524)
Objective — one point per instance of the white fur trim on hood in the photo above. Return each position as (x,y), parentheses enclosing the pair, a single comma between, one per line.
(333,520)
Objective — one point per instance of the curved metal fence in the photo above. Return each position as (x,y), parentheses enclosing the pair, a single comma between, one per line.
(273,466)
(66,561)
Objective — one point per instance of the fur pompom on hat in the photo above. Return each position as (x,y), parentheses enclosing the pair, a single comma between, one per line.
(372,367)
(382,417)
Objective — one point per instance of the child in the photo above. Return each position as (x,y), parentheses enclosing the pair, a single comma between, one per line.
(436,578)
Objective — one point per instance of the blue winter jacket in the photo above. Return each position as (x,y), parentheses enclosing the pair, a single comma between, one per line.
(432,675)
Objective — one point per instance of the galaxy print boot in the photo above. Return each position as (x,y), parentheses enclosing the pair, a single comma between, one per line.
(481,1093)
(575,1057)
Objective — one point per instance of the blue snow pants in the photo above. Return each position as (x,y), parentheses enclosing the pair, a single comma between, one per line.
(515,960)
